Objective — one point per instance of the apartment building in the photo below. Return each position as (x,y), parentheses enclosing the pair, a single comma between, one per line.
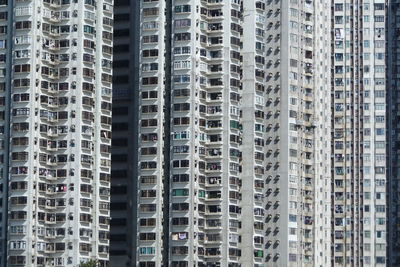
(124,131)
(55,83)
(234,133)
(359,208)
(393,101)
(298,133)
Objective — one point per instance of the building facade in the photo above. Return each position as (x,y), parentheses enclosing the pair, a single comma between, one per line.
(124,134)
(393,107)
(56,77)
(234,131)
(298,131)
(359,208)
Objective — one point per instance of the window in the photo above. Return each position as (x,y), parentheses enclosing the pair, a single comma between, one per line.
(149,66)
(292,191)
(89,29)
(20,111)
(149,123)
(292,218)
(89,15)
(292,257)
(21,97)
(380,131)
(185,36)
(149,109)
(182,64)
(338,7)
(180,149)
(148,165)
(181,135)
(292,231)
(379,68)
(22,25)
(147,222)
(185,50)
(22,68)
(380,144)
(182,9)
(181,23)
(147,207)
(150,53)
(150,39)
(3,15)
(180,221)
(380,234)
(292,165)
(180,206)
(150,25)
(380,247)
(149,137)
(22,53)
(18,229)
(180,178)
(180,192)
(380,182)
(149,80)
(380,119)
(148,151)
(380,93)
(150,11)
(181,121)
(17,260)
(147,237)
(380,260)
(149,94)
(181,79)
(380,208)
(180,163)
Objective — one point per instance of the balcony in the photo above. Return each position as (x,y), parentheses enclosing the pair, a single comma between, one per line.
(213,182)
(215,27)
(50,248)
(211,3)
(214,125)
(212,253)
(213,224)
(214,153)
(213,239)
(213,196)
(50,59)
(50,218)
(181,250)
(214,167)
(215,97)
(213,210)
(215,83)
(52,3)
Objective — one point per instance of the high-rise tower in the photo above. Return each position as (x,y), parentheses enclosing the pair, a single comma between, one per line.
(234,130)
(393,134)
(124,134)
(298,129)
(359,133)
(56,75)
